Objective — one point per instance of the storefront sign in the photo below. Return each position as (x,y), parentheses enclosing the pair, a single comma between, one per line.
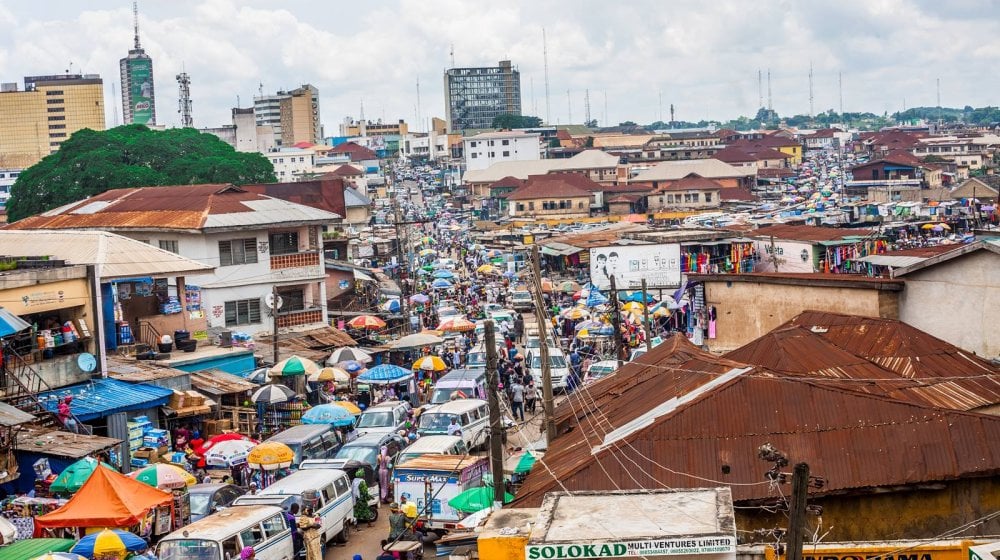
(659,264)
(47,297)
(954,550)
(789,256)
(665,547)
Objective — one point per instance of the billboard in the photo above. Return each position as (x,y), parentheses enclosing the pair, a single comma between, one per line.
(140,71)
(659,264)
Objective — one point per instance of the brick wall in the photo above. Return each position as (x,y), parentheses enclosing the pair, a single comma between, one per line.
(300,318)
(294,260)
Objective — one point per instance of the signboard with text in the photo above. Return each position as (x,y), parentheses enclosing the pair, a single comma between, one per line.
(659,264)
(622,549)
(141,91)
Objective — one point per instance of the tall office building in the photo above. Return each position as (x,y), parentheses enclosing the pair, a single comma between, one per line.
(474,96)
(293,115)
(34,122)
(138,93)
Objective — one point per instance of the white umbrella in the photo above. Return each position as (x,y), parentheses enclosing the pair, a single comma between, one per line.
(347,354)
(272,394)
(415,341)
(229,453)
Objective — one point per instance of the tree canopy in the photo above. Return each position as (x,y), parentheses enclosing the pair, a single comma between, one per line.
(92,162)
(516,121)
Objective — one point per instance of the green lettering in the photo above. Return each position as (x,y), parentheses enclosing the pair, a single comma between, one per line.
(619,550)
(533,553)
(549,552)
(589,551)
(573,551)
(605,550)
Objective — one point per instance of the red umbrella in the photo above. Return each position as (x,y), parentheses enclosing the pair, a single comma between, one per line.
(366,322)
(203,448)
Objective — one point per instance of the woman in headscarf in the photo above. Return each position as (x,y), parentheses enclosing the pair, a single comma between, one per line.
(248,553)
(383,474)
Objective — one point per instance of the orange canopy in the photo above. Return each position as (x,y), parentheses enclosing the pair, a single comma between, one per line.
(107,499)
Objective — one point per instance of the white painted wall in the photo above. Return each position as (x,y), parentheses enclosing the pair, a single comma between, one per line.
(481,153)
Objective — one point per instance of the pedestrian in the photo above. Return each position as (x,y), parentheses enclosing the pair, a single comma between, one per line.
(530,392)
(291,517)
(519,328)
(309,527)
(517,400)
(397,523)
(383,474)
(65,415)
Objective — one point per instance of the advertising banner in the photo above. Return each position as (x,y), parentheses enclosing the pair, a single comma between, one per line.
(659,264)
(141,92)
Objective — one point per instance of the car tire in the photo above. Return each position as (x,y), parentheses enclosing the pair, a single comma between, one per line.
(344,535)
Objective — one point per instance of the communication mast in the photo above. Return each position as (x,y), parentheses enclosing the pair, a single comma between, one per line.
(586,106)
(545,60)
(184,99)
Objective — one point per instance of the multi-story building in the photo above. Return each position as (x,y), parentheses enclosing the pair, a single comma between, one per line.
(138,91)
(351,127)
(35,122)
(7,179)
(245,135)
(255,242)
(487,148)
(475,96)
(293,115)
(292,164)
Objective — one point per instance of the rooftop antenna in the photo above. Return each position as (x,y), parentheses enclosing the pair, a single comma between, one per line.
(672,120)
(812,113)
(260,89)
(770,105)
(184,99)
(451,52)
(419,122)
(135,22)
(362,117)
(545,61)
(760,88)
(586,106)
(840,91)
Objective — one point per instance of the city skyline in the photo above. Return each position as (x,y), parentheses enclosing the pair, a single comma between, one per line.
(645,56)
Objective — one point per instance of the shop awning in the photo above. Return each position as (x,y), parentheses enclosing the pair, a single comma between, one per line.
(103,397)
(559,249)
(10,416)
(216,383)
(358,275)
(10,323)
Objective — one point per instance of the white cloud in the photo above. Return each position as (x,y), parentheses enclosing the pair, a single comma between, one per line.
(703,57)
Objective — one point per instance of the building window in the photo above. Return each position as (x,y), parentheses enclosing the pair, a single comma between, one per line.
(57,135)
(53,101)
(531,206)
(520,207)
(242,312)
(284,243)
(472,144)
(506,142)
(708,197)
(237,251)
(506,153)
(56,126)
(579,205)
(169,245)
(474,155)
(292,299)
(58,118)
(54,92)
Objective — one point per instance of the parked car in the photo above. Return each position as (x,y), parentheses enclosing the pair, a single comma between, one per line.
(522,300)
(600,369)
(384,418)
(207,499)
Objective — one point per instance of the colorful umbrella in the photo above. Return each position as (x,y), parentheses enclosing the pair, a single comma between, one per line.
(271,456)
(369,322)
(348,406)
(427,240)
(427,252)
(575,313)
(385,373)
(75,475)
(108,541)
(294,365)
(443,273)
(330,373)
(272,393)
(164,476)
(440,284)
(486,269)
(346,354)
(390,306)
(60,556)
(588,325)
(328,414)
(211,442)
(456,323)
(493,253)
(568,287)
(595,298)
(660,312)
(546,285)
(635,295)
(228,453)
(430,363)
(351,366)
(419,298)
(475,499)
(633,307)
(525,463)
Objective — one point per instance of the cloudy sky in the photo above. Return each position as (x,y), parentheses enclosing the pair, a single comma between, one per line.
(701,56)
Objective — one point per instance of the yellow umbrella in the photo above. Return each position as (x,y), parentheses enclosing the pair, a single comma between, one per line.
(486,269)
(633,307)
(575,313)
(331,374)
(430,363)
(661,312)
(270,456)
(349,406)
(927,226)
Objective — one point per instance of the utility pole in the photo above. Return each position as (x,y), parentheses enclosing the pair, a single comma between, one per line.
(496,426)
(645,317)
(544,332)
(797,516)
(403,292)
(616,322)
(274,321)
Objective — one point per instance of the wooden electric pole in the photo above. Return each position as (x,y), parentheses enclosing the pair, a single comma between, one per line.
(616,322)
(645,318)
(496,426)
(544,332)
(797,515)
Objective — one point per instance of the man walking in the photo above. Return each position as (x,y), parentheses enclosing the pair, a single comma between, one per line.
(517,400)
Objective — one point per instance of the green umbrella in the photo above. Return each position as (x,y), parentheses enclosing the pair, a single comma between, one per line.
(525,463)
(475,499)
(75,475)
(294,366)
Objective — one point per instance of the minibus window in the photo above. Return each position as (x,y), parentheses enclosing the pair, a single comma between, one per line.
(342,486)
(274,526)
(230,548)
(252,536)
(328,493)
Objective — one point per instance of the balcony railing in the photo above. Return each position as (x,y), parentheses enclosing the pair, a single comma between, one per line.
(303,317)
(295,260)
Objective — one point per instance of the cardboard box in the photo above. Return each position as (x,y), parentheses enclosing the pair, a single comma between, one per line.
(147,453)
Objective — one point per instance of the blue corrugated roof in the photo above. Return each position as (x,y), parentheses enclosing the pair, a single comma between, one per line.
(102,397)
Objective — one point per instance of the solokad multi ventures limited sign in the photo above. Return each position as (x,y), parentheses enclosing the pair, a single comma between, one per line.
(665,547)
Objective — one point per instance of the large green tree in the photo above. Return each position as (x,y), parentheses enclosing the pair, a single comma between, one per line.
(516,121)
(92,162)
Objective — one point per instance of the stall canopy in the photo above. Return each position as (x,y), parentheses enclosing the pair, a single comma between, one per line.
(10,323)
(102,397)
(107,499)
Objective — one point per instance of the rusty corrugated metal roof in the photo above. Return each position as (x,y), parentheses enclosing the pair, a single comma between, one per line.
(858,441)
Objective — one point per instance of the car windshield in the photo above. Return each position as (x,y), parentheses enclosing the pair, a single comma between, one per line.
(556,361)
(376,420)
(476,359)
(436,422)
(188,548)
(361,453)
(522,296)
(199,503)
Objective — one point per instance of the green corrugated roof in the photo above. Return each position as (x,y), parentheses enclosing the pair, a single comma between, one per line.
(33,548)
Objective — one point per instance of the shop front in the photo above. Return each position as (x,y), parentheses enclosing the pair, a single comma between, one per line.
(145,309)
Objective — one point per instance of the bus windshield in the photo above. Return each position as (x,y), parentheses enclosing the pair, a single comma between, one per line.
(188,549)
(432,422)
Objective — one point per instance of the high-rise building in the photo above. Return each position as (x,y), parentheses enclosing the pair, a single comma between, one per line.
(474,96)
(138,93)
(34,122)
(293,115)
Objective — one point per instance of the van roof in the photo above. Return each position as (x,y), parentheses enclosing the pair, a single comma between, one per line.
(300,433)
(461,375)
(225,523)
(385,404)
(441,462)
(428,444)
(367,440)
(300,481)
(457,406)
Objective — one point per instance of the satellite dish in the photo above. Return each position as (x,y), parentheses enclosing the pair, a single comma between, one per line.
(269,301)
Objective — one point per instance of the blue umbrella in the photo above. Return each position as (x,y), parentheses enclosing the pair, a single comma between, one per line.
(510,274)
(392,306)
(635,296)
(385,373)
(352,366)
(595,298)
(328,414)
(443,273)
(130,542)
(10,323)
(440,284)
